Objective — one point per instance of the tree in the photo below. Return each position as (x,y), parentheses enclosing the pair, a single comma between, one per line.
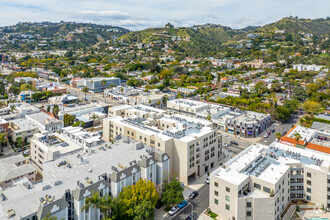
(19,141)
(208,117)
(134,195)
(12,108)
(103,83)
(281,113)
(85,90)
(94,201)
(68,119)
(179,95)
(299,93)
(26,87)
(297,136)
(48,217)
(292,105)
(278,135)
(3,139)
(164,99)
(144,211)
(56,109)
(172,192)
(79,124)
(14,90)
(312,107)
(48,108)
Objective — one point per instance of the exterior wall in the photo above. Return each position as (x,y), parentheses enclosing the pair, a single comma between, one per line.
(30,176)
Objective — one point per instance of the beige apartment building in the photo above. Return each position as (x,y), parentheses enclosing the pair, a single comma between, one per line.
(14,168)
(192,144)
(259,183)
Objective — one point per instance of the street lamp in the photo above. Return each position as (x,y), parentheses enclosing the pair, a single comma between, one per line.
(192,209)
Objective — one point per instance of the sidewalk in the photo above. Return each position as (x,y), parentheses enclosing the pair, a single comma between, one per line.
(194,186)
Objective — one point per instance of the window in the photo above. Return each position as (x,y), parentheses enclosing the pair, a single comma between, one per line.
(216,193)
(227,198)
(216,201)
(248,213)
(309,174)
(158,144)
(216,184)
(309,182)
(309,198)
(256,185)
(227,189)
(309,190)
(266,189)
(249,204)
(227,207)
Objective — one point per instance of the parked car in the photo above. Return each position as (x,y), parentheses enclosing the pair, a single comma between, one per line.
(193,195)
(193,216)
(207,180)
(322,138)
(224,144)
(272,130)
(174,210)
(266,135)
(182,204)
(284,133)
(234,143)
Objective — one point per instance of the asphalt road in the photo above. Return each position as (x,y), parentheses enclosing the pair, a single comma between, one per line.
(279,127)
(200,203)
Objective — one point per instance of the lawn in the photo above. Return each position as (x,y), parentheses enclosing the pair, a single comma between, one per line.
(212,215)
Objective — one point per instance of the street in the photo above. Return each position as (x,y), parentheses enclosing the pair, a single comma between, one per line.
(199,204)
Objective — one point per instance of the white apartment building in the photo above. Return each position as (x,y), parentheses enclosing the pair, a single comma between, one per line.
(192,144)
(305,67)
(70,179)
(49,146)
(79,110)
(44,122)
(260,181)
(22,128)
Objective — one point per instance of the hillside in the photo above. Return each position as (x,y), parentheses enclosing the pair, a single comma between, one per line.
(195,40)
(297,25)
(63,35)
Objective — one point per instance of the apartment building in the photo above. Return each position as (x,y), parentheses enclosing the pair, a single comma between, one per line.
(308,138)
(94,84)
(13,168)
(22,128)
(45,122)
(197,109)
(3,125)
(248,124)
(141,111)
(192,144)
(152,98)
(70,179)
(50,146)
(305,67)
(261,181)
(81,109)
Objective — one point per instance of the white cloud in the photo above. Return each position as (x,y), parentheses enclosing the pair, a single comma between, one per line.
(150,13)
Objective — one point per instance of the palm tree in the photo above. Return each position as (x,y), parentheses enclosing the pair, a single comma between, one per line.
(12,108)
(49,218)
(85,90)
(297,136)
(3,139)
(96,202)
(278,135)
(103,83)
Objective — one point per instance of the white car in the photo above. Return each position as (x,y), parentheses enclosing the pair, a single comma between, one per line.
(174,210)
(266,136)
(207,180)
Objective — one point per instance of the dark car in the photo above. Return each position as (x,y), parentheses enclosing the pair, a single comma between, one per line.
(193,195)
(234,143)
(284,133)
(272,130)
(322,138)
(193,216)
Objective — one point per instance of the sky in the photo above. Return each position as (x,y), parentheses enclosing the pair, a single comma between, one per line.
(137,15)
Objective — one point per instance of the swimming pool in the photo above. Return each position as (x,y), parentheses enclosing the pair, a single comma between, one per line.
(317,219)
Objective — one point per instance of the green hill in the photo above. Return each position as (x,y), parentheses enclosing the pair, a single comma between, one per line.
(297,25)
(195,40)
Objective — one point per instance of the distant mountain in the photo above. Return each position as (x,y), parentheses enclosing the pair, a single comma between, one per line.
(296,25)
(63,35)
(193,40)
